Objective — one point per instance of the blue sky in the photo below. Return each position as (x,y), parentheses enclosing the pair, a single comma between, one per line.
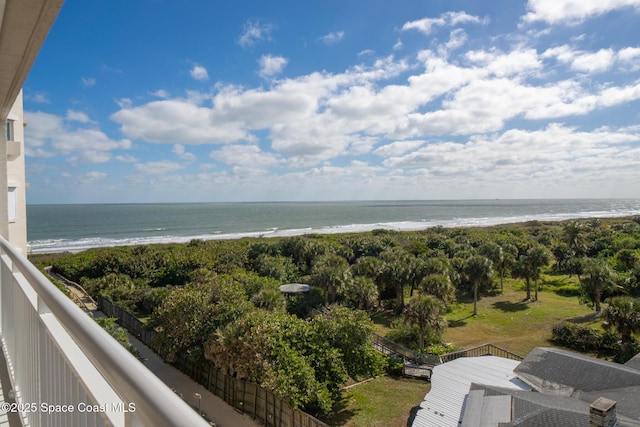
(204,101)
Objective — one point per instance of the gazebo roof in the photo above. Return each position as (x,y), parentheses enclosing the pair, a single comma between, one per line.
(294,288)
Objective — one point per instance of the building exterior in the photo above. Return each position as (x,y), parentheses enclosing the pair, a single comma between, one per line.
(16,183)
(24,24)
(550,387)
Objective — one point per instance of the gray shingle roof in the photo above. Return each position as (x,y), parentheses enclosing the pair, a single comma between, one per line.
(566,383)
(634,362)
(533,409)
(562,372)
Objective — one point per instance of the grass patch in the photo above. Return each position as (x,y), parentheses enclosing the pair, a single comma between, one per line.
(382,321)
(382,402)
(506,320)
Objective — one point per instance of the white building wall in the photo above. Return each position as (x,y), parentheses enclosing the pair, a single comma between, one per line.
(16,182)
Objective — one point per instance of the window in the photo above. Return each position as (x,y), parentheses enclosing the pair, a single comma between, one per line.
(10,130)
(12,205)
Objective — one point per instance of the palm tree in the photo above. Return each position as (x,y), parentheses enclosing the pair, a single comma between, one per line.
(479,271)
(331,273)
(529,267)
(522,270)
(440,286)
(537,257)
(397,272)
(509,255)
(424,312)
(598,280)
(574,237)
(624,314)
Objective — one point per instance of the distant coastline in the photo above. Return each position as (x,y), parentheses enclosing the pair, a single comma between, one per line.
(74,228)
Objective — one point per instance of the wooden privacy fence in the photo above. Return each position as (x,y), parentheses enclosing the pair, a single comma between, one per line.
(246,397)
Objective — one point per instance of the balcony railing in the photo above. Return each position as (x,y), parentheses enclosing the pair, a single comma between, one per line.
(66,370)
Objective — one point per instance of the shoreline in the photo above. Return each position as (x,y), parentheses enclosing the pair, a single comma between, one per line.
(404,226)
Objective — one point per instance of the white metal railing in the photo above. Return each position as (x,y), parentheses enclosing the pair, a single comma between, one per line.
(66,370)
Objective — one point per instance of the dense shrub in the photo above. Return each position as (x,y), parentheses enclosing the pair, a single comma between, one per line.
(585,339)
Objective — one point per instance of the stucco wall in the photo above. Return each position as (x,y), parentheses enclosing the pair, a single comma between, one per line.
(16,178)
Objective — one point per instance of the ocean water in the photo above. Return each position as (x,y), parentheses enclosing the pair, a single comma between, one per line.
(57,228)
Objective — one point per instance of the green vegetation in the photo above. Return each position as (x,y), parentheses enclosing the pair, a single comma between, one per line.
(508,285)
(120,334)
(372,404)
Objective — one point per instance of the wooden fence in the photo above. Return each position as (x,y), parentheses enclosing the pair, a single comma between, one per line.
(481,350)
(246,397)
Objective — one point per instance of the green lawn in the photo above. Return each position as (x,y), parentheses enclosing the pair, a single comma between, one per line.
(382,402)
(506,320)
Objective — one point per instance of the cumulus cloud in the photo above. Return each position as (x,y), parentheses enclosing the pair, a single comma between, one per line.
(588,62)
(630,57)
(522,155)
(422,114)
(38,98)
(573,12)
(271,65)
(180,151)
(48,135)
(126,158)
(332,38)
(77,116)
(254,31)
(162,167)
(397,148)
(160,93)
(244,155)
(448,19)
(198,72)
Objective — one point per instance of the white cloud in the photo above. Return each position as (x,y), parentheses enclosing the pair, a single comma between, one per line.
(158,168)
(38,98)
(630,57)
(271,65)
(572,12)
(160,93)
(397,148)
(180,151)
(77,116)
(126,158)
(88,81)
(524,157)
(332,38)
(244,155)
(255,31)
(198,72)
(48,135)
(457,39)
(90,156)
(597,62)
(169,121)
(317,117)
(448,19)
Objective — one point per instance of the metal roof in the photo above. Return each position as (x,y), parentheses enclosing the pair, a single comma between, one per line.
(450,384)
